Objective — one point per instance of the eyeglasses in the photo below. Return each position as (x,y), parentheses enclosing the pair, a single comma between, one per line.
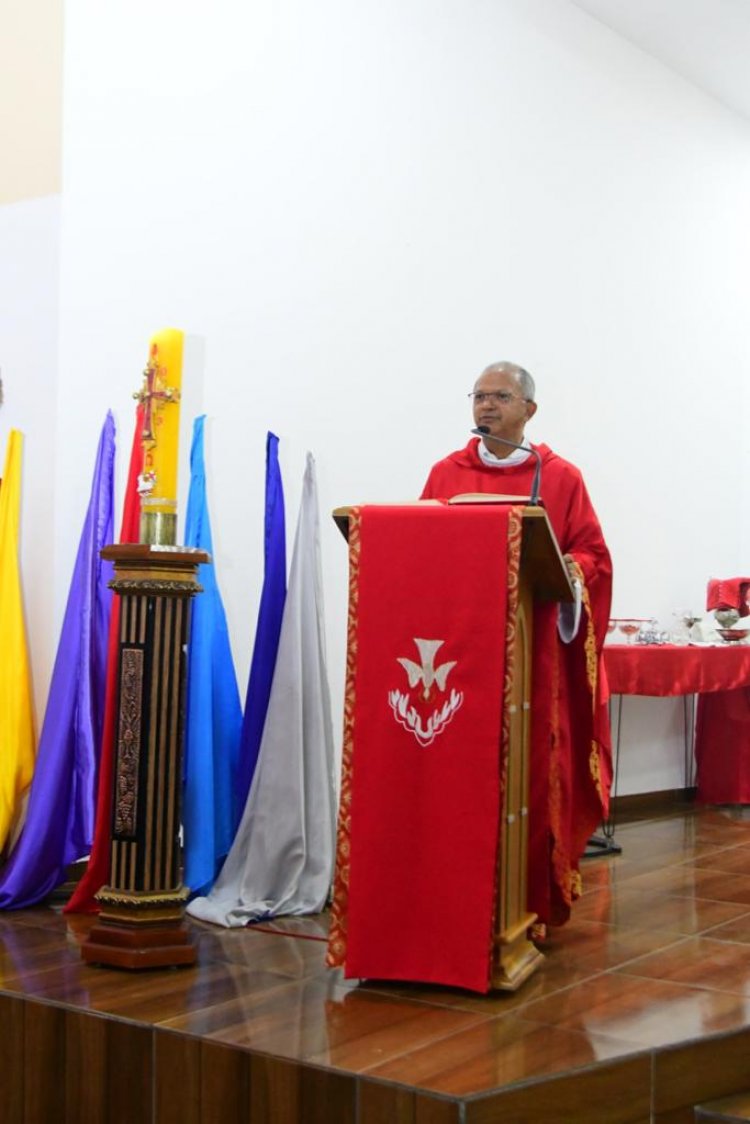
(503,397)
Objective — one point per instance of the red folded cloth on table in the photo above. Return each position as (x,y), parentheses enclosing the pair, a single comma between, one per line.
(729,593)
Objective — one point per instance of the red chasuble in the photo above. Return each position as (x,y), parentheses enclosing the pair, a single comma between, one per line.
(571,761)
(423,742)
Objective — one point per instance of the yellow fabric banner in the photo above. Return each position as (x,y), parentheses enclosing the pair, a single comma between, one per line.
(17,741)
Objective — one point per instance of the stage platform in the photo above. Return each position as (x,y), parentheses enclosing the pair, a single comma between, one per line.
(640,1011)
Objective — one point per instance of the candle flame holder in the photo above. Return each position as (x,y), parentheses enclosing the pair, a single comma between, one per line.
(158,524)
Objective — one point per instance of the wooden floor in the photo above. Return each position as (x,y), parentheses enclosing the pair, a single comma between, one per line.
(640,1011)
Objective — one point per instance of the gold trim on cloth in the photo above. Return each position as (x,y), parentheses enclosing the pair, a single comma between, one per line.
(515,532)
(568,878)
(337,937)
(515,536)
(560,864)
(592,674)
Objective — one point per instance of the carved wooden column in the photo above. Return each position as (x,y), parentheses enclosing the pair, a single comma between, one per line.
(515,956)
(141,924)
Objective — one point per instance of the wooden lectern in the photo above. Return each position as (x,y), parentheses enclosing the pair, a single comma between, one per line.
(541,574)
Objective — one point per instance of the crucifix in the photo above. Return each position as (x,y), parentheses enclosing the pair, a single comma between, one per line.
(159,434)
(153,396)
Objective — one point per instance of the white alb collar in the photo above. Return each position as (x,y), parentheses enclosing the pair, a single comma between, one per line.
(516,456)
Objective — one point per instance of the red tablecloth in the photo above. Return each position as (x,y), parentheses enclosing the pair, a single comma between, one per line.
(666,669)
(721,679)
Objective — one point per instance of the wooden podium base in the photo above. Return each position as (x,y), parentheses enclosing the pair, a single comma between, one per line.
(137,930)
(118,946)
(516,956)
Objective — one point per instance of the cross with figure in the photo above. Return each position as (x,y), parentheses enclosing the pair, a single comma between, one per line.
(154,395)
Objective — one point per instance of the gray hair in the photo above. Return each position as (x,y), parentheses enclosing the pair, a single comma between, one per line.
(523,378)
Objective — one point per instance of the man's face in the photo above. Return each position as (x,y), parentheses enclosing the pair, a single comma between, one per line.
(501,407)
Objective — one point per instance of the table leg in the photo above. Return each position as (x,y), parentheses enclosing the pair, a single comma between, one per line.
(688,710)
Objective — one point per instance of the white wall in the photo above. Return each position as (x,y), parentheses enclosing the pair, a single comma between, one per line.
(30,98)
(29,248)
(356,207)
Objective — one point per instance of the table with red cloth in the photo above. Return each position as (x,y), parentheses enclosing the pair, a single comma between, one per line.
(720,678)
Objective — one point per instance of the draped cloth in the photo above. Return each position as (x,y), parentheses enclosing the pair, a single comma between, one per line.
(59,825)
(722,726)
(722,747)
(424,742)
(571,759)
(17,738)
(214,715)
(720,677)
(97,871)
(281,861)
(268,628)
(663,670)
(729,593)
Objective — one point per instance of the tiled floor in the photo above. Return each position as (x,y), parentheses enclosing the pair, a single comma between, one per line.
(656,956)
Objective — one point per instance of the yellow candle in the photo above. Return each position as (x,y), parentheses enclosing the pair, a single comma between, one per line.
(160,398)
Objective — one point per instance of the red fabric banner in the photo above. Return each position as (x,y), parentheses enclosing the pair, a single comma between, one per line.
(97,872)
(423,760)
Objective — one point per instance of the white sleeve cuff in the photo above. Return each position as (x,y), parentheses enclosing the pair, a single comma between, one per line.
(569,614)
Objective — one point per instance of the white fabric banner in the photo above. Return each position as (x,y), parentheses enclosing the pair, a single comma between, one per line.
(281,861)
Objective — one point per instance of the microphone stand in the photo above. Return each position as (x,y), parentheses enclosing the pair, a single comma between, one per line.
(534,501)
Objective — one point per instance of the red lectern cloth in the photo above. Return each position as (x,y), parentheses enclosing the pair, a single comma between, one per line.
(414,893)
(642,669)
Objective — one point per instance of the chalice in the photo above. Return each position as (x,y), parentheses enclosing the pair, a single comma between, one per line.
(629,628)
(726,617)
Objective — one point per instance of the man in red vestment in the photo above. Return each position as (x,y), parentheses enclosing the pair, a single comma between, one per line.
(570,741)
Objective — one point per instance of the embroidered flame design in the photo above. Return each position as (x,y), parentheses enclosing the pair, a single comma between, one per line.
(425,729)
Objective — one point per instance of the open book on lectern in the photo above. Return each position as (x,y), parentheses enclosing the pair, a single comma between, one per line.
(492,497)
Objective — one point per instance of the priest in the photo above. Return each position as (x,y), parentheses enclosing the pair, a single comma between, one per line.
(570,741)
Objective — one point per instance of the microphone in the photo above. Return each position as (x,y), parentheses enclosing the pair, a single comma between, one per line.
(484,431)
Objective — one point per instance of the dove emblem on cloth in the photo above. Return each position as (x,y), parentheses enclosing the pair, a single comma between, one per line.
(426,671)
(425,727)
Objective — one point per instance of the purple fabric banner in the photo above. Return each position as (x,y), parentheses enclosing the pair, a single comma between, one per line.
(268,629)
(59,823)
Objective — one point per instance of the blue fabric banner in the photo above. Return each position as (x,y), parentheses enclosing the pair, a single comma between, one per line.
(211,810)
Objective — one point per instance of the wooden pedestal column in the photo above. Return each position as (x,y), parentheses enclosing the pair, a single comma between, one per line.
(515,956)
(141,923)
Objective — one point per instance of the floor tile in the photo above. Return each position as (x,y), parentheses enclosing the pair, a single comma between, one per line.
(631,908)
(737,930)
(647,1012)
(652,970)
(498,1053)
(698,962)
